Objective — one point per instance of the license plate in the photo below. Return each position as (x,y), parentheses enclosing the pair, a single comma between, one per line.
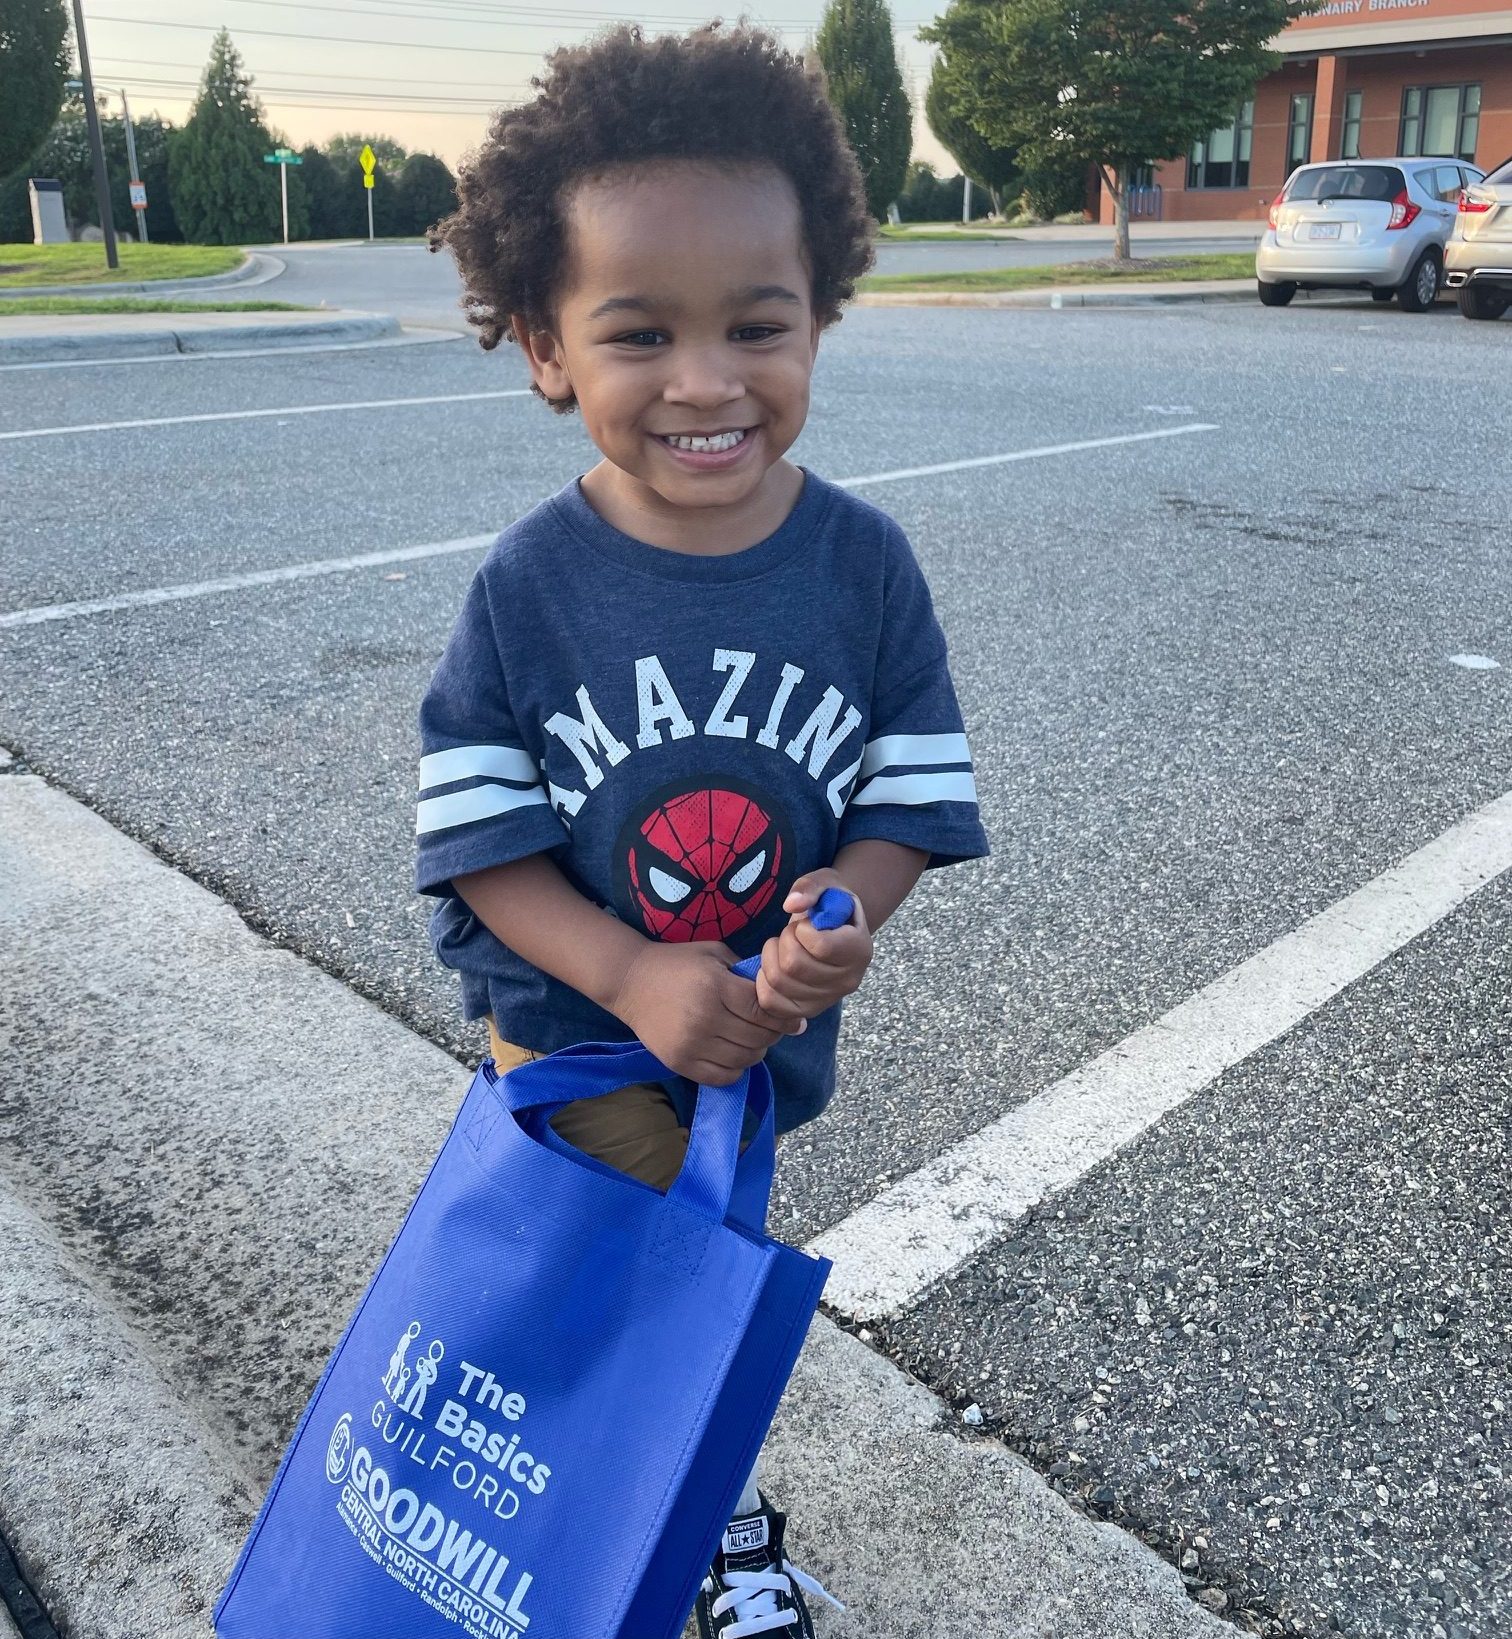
(1324,230)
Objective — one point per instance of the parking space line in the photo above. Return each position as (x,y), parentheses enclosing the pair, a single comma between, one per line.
(41,613)
(1029,455)
(250,415)
(924,1227)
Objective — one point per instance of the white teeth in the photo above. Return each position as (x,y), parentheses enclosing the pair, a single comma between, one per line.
(720,441)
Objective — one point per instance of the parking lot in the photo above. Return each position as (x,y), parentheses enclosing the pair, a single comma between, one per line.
(1228,596)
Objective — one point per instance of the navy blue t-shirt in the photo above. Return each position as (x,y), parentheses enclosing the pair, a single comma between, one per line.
(685,735)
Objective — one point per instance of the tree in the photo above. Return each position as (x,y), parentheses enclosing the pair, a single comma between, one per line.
(995,168)
(427,192)
(223,193)
(930,198)
(331,216)
(349,213)
(349,145)
(1118,85)
(34,62)
(855,45)
(65,155)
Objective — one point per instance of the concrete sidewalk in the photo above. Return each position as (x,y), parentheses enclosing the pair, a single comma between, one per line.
(46,338)
(205,1145)
(1140,233)
(1113,294)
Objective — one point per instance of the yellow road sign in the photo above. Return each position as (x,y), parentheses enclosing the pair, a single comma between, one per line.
(369,160)
(367,181)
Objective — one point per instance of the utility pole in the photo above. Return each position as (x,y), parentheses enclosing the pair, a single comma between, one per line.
(135,178)
(96,145)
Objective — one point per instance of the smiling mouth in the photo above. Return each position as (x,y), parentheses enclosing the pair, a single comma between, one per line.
(706,443)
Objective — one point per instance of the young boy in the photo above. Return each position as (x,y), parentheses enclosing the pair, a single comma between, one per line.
(700,684)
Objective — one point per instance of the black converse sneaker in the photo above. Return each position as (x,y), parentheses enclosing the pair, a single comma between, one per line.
(751,1588)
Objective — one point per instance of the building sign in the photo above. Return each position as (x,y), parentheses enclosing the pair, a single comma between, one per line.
(1335,12)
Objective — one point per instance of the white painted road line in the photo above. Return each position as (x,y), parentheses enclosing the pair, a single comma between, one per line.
(41,613)
(232,583)
(889,1251)
(1028,455)
(250,415)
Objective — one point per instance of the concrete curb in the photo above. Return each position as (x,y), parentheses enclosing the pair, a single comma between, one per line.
(252,266)
(192,1202)
(168,337)
(1057,296)
(160,1517)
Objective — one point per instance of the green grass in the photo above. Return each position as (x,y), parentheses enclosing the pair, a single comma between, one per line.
(1158,270)
(931,233)
(23,265)
(136,304)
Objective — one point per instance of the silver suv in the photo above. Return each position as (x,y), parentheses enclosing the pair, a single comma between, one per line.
(1478,258)
(1377,223)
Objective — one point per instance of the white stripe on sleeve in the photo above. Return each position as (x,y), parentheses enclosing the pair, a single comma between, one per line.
(478,803)
(472,762)
(914,751)
(916,790)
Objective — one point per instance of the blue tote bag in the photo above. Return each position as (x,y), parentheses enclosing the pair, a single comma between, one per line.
(541,1416)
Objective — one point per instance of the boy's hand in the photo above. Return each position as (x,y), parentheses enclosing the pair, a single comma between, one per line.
(699,1018)
(805,970)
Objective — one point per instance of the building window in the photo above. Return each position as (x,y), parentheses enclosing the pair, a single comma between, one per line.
(1222,160)
(1441,120)
(1299,132)
(1349,145)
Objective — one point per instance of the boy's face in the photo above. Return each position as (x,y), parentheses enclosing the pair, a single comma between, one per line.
(685,312)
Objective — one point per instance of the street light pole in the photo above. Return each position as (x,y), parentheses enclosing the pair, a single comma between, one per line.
(136,175)
(96,145)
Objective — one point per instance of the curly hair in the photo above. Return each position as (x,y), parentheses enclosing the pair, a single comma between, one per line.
(622,100)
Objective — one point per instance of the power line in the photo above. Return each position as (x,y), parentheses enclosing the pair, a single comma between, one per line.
(330,39)
(334,39)
(542,16)
(477,104)
(300,74)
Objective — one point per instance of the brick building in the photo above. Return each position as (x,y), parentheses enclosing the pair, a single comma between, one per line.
(1361,79)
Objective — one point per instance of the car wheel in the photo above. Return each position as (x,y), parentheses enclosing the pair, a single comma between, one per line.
(1420,288)
(1382,295)
(1275,295)
(1483,301)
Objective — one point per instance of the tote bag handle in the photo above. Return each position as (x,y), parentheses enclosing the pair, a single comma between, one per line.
(707,1184)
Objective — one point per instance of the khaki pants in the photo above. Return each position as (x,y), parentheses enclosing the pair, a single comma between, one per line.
(633,1129)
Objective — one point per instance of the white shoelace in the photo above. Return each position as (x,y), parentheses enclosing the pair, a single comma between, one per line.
(751,1597)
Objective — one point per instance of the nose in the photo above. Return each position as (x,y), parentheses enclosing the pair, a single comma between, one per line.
(704,378)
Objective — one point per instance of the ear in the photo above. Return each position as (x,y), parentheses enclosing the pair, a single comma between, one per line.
(817,331)
(543,354)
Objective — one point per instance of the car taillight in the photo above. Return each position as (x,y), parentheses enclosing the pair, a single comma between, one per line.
(1473,207)
(1403,211)
(1276,206)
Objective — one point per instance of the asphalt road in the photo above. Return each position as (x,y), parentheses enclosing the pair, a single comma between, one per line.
(1209,687)
(423,289)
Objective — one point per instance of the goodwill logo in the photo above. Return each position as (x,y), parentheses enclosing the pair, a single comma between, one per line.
(454,1568)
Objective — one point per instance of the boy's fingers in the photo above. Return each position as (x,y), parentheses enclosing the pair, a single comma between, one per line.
(745,1004)
(778,1004)
(804,892)
(745,1037)
(830,947)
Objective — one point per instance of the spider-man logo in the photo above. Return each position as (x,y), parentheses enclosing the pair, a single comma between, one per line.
(702,863)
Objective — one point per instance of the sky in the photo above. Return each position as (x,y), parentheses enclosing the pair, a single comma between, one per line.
(425,72)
